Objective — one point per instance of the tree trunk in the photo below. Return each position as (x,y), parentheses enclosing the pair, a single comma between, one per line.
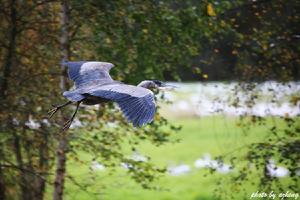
(10,51)
(65,44)
(60,168)
(25,193)
(4,80)
(2,182)
(43,164)
(63,139)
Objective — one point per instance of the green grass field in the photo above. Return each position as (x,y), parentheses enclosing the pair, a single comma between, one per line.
(215,135)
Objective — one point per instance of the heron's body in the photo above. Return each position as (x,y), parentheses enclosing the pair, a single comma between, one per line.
(92,100)
(94,85)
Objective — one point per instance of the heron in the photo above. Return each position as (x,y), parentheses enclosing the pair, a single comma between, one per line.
(94,85)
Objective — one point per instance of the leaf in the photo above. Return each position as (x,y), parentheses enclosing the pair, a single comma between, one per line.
(210,10)
(145,31)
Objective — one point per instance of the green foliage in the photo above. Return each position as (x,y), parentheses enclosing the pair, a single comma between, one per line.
(33,86)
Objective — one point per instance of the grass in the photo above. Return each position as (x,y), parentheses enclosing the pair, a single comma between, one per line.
(215,135)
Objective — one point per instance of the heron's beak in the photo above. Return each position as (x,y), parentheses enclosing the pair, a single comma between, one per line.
(166,86)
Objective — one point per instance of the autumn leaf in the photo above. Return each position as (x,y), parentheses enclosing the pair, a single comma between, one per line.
(145,31)
(210,10)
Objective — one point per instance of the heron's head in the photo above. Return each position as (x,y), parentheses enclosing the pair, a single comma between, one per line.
(155,84)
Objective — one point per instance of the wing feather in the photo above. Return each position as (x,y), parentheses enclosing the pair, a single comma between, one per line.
(84,72)
(136,103)
(142,115)
(134,109)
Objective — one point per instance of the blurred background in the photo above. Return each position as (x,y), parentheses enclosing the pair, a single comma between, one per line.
(230,130)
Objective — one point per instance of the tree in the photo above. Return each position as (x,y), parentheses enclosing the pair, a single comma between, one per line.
(27,135)
(262,46)
(63,136)
(25,132)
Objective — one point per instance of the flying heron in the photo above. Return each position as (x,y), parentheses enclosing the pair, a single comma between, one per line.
(94,85)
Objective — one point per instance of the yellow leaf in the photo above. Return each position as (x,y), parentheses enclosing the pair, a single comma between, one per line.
(210,10)
(196,70)
(145,31)
(265,47)
(107,41)
(205,76)
(234,52)
(223,23)
(169,40)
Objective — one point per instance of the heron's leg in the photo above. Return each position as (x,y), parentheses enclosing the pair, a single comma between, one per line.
(69,122)
(56,108)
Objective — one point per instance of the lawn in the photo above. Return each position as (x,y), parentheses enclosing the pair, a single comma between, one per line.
(216,135)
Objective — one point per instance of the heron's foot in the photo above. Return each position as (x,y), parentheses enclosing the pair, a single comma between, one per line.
(67,125)
(53,111)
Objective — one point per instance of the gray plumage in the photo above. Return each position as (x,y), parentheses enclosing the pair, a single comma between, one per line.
(94,85)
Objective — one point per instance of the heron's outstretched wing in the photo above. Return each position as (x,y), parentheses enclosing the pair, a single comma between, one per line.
(137,103)
(83,72)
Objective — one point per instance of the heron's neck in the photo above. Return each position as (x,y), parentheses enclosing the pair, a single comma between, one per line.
(146,84)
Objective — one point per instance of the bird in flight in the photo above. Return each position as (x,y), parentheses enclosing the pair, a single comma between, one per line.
(94,85)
